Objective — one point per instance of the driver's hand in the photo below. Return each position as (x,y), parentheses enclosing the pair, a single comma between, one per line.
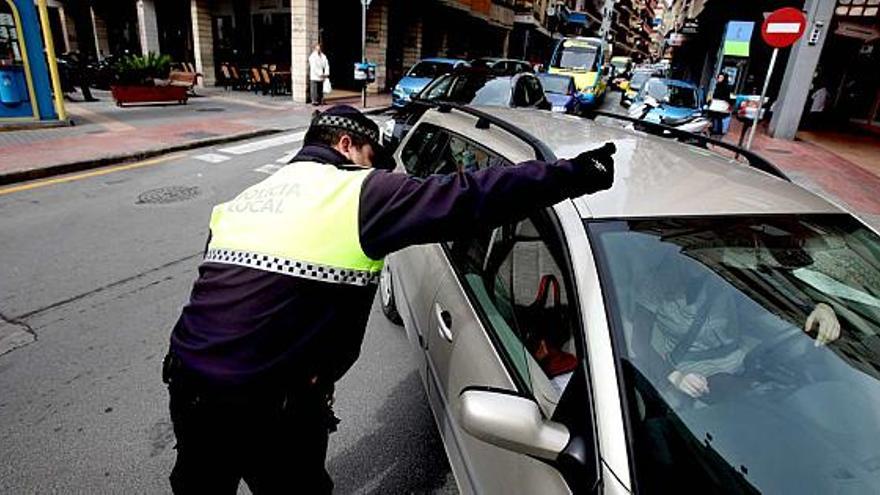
(693,384)
(824,317)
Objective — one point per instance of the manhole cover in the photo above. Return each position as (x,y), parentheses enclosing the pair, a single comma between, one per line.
(211,109)
(199,135)
(165,195)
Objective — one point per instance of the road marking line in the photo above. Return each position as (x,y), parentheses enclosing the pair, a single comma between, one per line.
(212,157)
(103,171)
(269,168)
(784,27)
(247,103)
(287,157)
(264,144)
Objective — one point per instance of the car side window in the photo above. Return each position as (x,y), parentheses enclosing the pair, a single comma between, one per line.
(463,155)
(520,96)
(432,150)
(520,290)
(533,90)
(420,152)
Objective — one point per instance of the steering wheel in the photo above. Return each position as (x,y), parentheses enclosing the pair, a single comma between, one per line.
(773,353)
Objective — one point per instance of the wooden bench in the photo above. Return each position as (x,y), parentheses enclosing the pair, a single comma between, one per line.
(187,80)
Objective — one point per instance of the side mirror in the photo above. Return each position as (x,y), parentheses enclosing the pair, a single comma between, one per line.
(513,423)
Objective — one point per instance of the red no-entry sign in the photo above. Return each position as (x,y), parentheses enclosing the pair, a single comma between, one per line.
(783,27)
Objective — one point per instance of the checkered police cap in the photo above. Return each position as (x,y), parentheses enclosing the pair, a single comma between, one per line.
(350,119)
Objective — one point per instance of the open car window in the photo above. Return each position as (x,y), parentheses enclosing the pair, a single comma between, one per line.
(520,290)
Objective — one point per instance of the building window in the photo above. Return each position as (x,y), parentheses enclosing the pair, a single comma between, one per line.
(857,8)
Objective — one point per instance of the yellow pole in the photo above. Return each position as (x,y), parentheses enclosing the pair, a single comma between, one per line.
(53,64)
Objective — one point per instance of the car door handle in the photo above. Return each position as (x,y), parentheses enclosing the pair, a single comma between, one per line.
(444,322)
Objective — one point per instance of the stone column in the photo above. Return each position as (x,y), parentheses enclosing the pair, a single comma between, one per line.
(505,43)
(303,36)
(802,63)
(203,41)
(377,43)
(99,29)
(148,29)
(412,50)
(65,34)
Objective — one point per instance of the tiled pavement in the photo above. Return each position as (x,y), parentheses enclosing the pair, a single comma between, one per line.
(819,169)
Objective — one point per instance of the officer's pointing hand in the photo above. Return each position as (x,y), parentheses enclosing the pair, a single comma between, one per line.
(598,166)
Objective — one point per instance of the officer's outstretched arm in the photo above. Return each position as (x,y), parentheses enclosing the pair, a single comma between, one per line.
(398,210)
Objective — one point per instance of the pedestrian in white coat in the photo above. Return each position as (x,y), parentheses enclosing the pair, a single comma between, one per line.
(319,70)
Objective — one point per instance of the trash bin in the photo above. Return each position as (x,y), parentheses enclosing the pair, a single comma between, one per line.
(12,86)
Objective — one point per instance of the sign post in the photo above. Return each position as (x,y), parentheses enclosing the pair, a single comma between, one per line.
(781,29)
(365,4)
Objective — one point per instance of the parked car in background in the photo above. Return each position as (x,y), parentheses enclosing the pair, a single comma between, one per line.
(419,75)
(673,102)
(560,92)
(473,86)
(634,85)
(502,66)
(546,346)
(622,69)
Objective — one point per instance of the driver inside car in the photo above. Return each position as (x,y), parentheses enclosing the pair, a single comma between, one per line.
(694,329)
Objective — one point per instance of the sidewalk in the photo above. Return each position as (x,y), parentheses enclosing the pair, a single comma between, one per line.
(844,169)
(105,133)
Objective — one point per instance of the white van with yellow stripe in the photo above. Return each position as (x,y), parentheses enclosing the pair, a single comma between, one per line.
(583,59)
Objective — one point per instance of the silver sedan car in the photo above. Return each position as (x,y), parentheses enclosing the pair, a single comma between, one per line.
(701,327)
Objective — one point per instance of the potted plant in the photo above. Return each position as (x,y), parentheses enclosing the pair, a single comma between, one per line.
(141,79)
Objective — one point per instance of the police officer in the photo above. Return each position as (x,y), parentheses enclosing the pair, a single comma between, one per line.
(278,312)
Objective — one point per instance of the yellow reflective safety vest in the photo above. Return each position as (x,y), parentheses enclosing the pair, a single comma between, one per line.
(302,221)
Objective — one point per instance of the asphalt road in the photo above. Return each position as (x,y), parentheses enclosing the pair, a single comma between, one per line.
(93,272)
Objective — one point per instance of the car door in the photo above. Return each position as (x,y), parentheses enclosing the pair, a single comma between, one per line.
(485,332)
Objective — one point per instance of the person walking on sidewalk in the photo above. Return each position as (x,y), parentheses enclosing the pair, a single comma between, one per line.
(319,70)
(280,307)
(818,104)
(719,108)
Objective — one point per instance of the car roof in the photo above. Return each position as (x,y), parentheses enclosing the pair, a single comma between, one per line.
(443,60)
(656,176)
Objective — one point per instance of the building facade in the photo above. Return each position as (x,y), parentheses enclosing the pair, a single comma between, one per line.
(209,33)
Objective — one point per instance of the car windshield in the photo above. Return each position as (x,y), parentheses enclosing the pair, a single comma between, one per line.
(478,88)
(577,58)
(495,92)
(638,79)
(429,70)
(558,85)
(749,351)
(676,96)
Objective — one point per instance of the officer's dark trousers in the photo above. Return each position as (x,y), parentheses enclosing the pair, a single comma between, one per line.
(276,443)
